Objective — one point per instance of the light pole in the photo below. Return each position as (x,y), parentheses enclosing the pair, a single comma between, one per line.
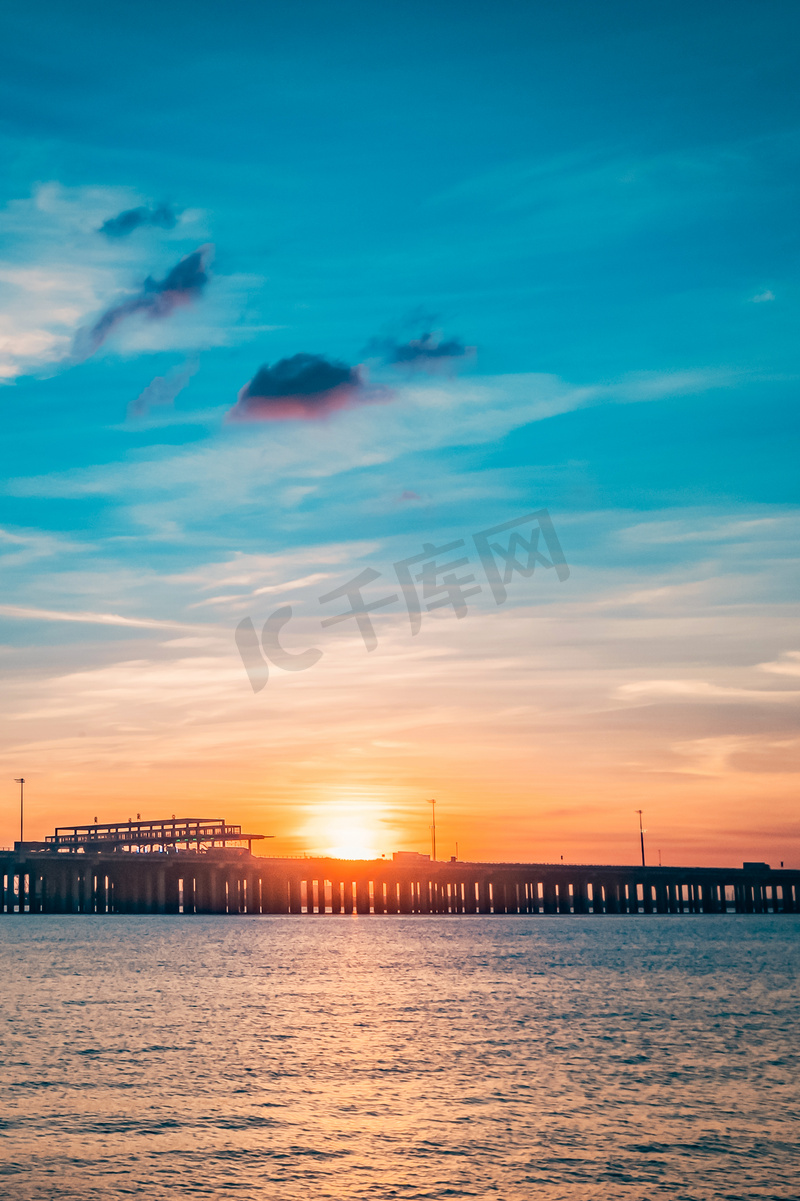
(21,783)
(641,835)
(433,830)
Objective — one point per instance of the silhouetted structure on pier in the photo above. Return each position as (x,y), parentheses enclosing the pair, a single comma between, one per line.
(169,834)
(140,867)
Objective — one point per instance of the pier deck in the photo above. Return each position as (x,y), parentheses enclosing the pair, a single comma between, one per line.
(36,878)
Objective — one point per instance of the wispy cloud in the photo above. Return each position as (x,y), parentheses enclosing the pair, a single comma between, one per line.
(428,352)
(252,465)
(85,618)
(18,548)
(160,217)
(55,271)
(161,392)
(787,665)
(156,299)
(701,690)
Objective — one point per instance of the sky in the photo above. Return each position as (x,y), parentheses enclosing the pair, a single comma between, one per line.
(292,294)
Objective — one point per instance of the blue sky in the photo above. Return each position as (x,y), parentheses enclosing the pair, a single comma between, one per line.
(602,202)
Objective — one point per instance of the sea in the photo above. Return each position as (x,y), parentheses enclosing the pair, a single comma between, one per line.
(332,1058)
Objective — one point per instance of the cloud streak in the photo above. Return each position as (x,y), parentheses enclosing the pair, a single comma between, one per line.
(430,352)
(160,392)
(103,619)
(157,299)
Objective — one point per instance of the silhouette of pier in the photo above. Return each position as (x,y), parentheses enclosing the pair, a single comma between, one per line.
(196,866)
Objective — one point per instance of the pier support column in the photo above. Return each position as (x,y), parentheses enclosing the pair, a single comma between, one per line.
(275,894)
(115,891)
(135,889)
(202,890)
(87,889)
(405,896)
(253,893)
(172,899)
(219,901)
(74,891)
(484,905)
(295,900)
(662,900)
(362,896)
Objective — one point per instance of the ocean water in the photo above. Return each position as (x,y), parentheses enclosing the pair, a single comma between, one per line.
(516,1058)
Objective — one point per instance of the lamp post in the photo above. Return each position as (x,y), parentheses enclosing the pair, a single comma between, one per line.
(21,783)
(641,835)
(433,830)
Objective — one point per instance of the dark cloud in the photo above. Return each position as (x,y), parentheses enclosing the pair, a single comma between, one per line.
(303,387)
(301,375)
(162,216)
(427,352)
(157,298)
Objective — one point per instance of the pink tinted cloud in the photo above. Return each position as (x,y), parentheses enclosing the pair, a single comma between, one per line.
(304,387)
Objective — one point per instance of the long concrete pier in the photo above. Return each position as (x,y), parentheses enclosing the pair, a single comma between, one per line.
(225,880)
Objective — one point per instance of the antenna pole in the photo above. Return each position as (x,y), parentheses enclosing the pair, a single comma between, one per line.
(433,830)
(21,783)
(641,835)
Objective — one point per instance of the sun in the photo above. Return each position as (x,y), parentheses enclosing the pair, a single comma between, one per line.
(351,840)
(345,833)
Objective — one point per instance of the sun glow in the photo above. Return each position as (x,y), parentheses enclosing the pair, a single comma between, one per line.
(352,843)
(346,833)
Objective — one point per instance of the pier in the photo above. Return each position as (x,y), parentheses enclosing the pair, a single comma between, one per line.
(199,866)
